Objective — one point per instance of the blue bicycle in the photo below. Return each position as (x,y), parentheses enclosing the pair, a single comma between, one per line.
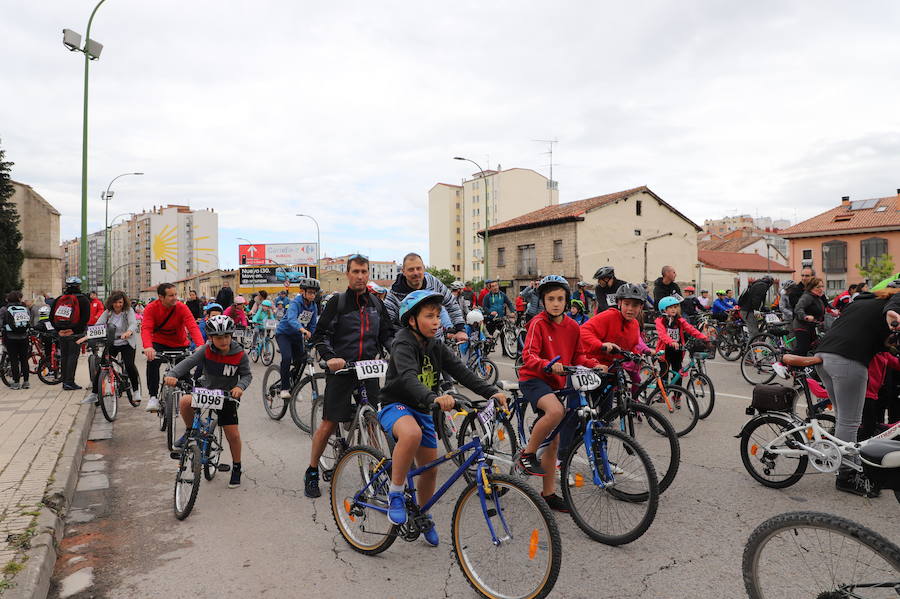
(504,536)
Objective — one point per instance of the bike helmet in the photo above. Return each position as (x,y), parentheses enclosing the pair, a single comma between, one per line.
(690,288)
(631,291)
(213,306)
(457,285)
(605,272)
(219,325)
(583,283)
(44,312)
(375,287)
(73,282)
(553,282)
(267,303)
(240,300)
(894,284)
(474,317)
(578,304)
(668,301)
(786,284)
(414,301)
(720,292)
(309,283)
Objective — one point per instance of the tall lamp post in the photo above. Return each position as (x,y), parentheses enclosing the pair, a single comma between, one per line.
(106,197)
(318,245)
(486,222)
(91,51)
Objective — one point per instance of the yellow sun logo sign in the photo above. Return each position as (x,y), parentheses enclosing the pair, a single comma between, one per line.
(165,246)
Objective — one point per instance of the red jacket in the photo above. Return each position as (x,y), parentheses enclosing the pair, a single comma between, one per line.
(610,327)
(877,369)
(544,341)
(520,304)
(97,309)
(481,294)
(679,328)
(173,333)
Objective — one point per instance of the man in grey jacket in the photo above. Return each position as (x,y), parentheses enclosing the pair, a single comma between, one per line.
(412,278)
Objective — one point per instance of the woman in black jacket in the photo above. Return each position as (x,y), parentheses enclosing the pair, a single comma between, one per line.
(808,312)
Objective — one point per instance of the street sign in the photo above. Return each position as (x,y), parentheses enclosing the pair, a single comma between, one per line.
(272,278)
(278,253)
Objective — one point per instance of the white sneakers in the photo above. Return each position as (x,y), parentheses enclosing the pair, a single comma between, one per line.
(91,398)
(285,394)
(136,396)
(152,404)
(780,369)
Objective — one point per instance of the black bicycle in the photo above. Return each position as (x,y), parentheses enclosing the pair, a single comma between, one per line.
(304,390)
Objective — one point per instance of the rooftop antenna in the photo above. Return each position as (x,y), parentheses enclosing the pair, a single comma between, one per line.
(550,184)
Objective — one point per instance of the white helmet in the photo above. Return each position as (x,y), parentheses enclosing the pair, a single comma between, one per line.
(219,325)
(474,317)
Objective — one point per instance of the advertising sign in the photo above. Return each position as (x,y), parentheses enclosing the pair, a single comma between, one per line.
(281,253)
(272,278)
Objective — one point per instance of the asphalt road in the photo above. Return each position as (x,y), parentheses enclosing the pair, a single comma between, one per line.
(265,539)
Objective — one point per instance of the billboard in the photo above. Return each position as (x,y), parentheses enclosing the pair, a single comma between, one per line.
(280,253)
(272,278)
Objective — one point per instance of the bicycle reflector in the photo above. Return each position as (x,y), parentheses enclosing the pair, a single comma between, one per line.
(579,480)
(347,507)
(533,544)
(753,449)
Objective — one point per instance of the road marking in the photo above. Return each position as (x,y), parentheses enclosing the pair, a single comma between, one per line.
(732,395)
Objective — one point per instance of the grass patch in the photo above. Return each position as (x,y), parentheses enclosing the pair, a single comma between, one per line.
(13,568)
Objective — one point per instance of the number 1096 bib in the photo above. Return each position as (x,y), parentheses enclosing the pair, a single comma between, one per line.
(212,399)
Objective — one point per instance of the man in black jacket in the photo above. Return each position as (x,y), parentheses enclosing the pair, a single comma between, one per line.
(665,285)
(751,300)
(354,326)
(69,328)
(225,297)
(605,290)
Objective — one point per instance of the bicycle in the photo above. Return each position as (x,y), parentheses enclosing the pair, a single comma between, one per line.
(507,333)
(169,396)
(694,376)
(112,381)
(675,402)
(476,359)
(202,448)
(812,554)
(50,367)
(732,337)
(505,539)
(262,347)
(364,429)
(304,390)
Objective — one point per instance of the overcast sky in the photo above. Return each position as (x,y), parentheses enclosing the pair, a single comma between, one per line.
(351,111)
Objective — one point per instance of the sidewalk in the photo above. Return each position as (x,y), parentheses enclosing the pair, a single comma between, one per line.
(42,435)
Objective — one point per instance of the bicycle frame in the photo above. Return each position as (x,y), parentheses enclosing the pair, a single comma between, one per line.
(201,433)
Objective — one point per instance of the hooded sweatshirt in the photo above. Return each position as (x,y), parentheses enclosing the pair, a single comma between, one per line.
(547,339)
(400,289)
(221,370)
(610,327)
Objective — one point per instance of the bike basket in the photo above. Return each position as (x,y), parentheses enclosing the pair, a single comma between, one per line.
(696,346)
(773,398)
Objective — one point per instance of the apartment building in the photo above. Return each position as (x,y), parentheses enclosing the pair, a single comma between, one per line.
(456,213)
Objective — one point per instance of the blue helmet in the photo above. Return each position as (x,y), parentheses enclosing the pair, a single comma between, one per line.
(668,301)
(414,299)
(213,306)
(552,282)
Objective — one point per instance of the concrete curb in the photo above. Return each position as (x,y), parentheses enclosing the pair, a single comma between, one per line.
(33,582)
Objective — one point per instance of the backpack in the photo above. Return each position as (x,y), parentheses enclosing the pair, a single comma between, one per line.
(342,303)
(66,311)
(18,318)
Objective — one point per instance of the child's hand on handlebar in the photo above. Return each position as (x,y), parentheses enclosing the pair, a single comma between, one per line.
(446,402)
(236,392)
(610,348)
(170,381)
(557,369)
(501,399)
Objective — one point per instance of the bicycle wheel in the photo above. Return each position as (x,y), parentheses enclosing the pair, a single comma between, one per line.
(34,361)
(756,363)
(303,395)
(335,446)
(271,394)
(655,434)
(811,554)
(623,508)
(109,394)
(172,416)
(254,354)
(500,451)
(678,405)
(187,481)
(520,361)
(703,390)
(487,371)
(509,343)
(93,365)
(366,529)
(525,559)
(772,470)
(268,351)
(370,433)
(214,454)
(5,370)
(729,346)
(123,384)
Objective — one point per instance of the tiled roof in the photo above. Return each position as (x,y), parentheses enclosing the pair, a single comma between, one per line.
(727,245)
(884,212)
(573,211)
(738,262)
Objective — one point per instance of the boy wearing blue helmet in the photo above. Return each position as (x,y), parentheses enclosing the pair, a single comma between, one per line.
(411,386)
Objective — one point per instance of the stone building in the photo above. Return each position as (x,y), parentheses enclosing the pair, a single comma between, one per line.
(39,224)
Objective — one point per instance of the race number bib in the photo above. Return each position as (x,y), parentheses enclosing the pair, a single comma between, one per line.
(97,331)
(305,317)
(610,299)
(271,324)
(21,318)
(771,317)
(674,334)
(239,335)
(49,325)
(64,311)
(585,380)
(371,369)
(211,399)
(487,414)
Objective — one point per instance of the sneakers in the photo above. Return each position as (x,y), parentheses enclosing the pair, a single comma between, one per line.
(555,502)
(26,385)
(397,508)
(431,535)
(311,483)
(91,398)
(15,386)
(71,387)
(285,394)
(529,464)
(182,440)
(780,369)
(857,484)
(235,476)
(152,404)
(136,396)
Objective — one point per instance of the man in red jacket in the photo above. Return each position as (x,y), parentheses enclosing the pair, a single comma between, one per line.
(97,308)
(163,329)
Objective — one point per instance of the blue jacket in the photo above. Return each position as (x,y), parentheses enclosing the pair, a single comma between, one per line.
(720,306)
(497,302)
(579,318)
(297,311)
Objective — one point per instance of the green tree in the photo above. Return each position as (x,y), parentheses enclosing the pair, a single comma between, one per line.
(441,274)
(877,269)
(10,236)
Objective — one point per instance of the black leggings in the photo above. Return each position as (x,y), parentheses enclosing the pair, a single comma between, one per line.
(18,357)
(803,339)
(153,368)
(127,353)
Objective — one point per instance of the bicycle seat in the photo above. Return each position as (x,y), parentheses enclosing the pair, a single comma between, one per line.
(508,385)
(800,361)
(885,453)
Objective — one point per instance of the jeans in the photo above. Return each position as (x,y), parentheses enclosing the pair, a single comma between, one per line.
(749,317)
(845,381)
(292,350)
(18,357)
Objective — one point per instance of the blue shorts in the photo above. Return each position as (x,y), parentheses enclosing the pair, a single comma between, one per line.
(391,413)
(534,389)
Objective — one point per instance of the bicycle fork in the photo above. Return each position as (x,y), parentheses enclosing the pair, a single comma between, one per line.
(607,478)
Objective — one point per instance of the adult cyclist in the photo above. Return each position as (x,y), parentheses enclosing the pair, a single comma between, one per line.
(607,286)
(495,304)
(298,323)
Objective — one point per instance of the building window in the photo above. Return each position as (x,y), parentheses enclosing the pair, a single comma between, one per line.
(807,254)
(557,250)
(834,257)
(501,257)
(874,247)
(527,261)
(637,208)
(835,285)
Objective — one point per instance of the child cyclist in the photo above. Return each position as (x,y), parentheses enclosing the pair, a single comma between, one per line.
(671,328)
(411,386)
(265,311)
(225,367)
(550,334)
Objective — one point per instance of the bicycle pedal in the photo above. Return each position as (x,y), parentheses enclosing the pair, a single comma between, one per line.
(327,474)
(175,455)
(223,468)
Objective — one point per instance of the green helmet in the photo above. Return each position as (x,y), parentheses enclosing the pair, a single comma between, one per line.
(578,304)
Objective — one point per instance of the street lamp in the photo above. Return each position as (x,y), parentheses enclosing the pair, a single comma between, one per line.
(486,222)
(91,51)
(318,245)
(106,197)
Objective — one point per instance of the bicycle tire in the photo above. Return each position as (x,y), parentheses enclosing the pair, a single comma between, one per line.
(504,436)
(683,420)
(268,352)
(34,361)
(109,398)
(666,461)
(213,457)
(805,531)
(172,408)
(253,354)
(487,371)
(303,395)
(749,451)
(704,392)
(273,404)
(335,446)
(352,473)
(626,497)
(756,363)
(729,347)
(5,370)
(524,511)
(509,343)
(183,499)
(369,432)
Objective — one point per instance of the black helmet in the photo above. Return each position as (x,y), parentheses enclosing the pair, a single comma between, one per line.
(308,283)
(631,291)
(605,272)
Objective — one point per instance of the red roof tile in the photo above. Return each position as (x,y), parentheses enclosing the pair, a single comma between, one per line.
(884,213)
(736,261)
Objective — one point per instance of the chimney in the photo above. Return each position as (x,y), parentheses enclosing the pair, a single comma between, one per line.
(845,201)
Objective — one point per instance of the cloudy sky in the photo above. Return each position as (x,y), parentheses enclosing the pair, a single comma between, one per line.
(351,111)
